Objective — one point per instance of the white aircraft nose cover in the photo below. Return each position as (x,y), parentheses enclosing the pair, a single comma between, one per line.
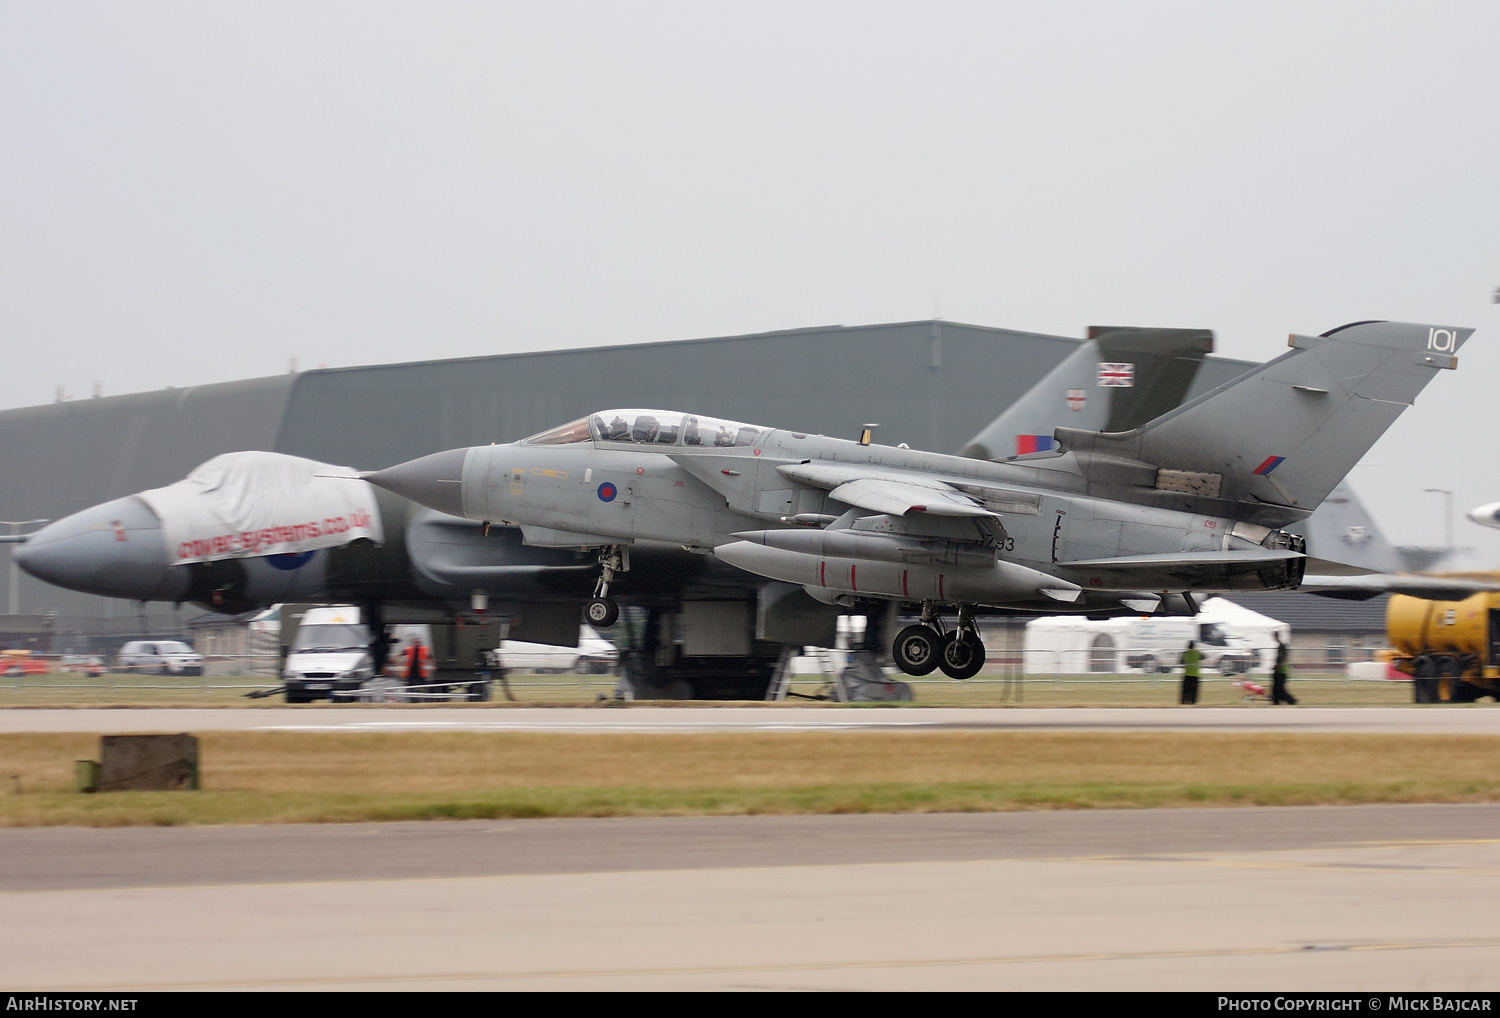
(248,504)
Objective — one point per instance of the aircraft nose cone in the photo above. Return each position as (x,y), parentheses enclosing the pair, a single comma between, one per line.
(114,549)
(1486,515)
(435,481)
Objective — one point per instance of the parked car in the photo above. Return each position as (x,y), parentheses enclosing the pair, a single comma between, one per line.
(15,663)
(91,665)
(159,657)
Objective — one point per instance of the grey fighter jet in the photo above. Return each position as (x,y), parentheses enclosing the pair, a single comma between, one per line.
(1193,501)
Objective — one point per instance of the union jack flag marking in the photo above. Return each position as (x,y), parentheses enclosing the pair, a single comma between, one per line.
(1122,375)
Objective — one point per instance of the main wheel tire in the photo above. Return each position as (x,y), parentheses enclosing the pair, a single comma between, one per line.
(602,612)
(961,655)
(915,650)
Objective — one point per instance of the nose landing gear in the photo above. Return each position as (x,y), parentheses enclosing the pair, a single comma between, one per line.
(602,612)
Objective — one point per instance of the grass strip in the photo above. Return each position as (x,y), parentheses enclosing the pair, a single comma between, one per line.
(168,809)
(292,777)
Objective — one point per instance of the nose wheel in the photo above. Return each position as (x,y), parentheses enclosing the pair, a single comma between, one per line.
(601,611)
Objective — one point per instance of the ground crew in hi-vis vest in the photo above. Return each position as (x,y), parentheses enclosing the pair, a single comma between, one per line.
(415,667)
(1190,660)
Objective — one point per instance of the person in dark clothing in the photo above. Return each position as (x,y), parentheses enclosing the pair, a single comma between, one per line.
(1278,675)
(1190,663)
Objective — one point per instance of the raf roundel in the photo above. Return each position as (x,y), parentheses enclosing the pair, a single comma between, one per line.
(607,492)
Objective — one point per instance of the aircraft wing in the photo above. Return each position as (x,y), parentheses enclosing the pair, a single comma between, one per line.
(883,495)
(1362,588)
(900,492)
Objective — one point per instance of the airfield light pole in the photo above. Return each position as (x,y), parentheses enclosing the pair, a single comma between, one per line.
(15,572)
(1448,520)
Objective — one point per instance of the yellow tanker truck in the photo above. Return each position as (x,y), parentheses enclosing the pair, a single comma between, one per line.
(1451,649)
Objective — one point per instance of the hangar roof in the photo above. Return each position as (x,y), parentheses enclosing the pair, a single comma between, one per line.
(930,384)
(1310,613)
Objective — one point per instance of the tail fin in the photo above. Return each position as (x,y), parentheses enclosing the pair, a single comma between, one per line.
(1269,446)
(1120,379)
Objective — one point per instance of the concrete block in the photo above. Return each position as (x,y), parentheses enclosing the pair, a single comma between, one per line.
(148,762)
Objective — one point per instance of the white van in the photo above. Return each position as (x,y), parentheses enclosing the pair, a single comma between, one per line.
(593,655)
(1156,645)
(331,653)
(159,657)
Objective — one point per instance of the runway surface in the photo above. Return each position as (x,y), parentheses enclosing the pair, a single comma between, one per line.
(1351,898)
(1441,719)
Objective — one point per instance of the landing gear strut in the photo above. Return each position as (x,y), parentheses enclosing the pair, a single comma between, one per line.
(602,612)
(921,648)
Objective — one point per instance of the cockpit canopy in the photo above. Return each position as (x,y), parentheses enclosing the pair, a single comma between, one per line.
(651,427)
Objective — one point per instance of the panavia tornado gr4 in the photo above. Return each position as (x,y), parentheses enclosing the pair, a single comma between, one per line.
(1192,501)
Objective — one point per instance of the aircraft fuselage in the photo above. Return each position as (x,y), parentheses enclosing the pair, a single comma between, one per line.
(1014,533)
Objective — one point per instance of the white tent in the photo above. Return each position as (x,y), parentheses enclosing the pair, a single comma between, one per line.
(1075,645)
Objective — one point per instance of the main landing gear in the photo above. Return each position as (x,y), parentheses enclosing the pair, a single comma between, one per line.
(602,612)
(925,646)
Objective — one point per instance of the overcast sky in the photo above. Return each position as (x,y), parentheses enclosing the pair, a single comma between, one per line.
(197,192)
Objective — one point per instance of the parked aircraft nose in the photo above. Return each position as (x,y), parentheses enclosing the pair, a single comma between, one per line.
(1486,515)
(435,481)
(113,550)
